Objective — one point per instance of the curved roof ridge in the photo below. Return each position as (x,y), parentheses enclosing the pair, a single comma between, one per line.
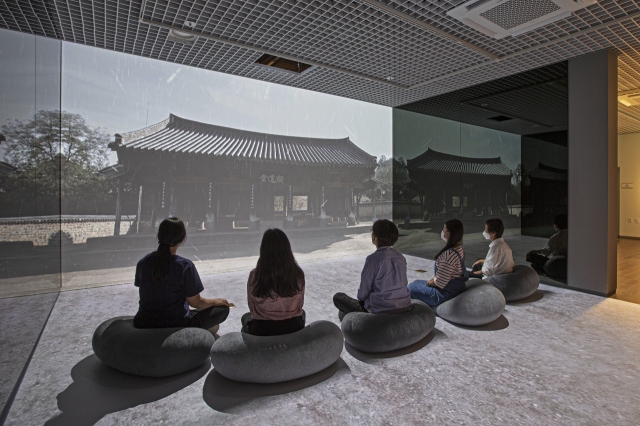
(177,134)
(187,122)
(438,155)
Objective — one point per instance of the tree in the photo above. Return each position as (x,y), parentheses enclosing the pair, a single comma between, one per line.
(57,155)
(384,176)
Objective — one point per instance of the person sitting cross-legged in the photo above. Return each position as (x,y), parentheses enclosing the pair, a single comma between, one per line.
(383,282)
(449,269)
(275,289)
(556,246)
(168,284)
(499,259)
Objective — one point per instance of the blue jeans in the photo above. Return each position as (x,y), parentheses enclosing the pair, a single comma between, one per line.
(429,295)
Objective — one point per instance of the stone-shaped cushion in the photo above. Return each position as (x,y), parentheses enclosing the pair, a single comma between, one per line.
(388,332)
(479,305)
(151,352)
(272,359)
(556,267)
(520,283)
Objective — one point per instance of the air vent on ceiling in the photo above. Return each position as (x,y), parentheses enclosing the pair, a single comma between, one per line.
(500,118)
(282,64)
(501,18)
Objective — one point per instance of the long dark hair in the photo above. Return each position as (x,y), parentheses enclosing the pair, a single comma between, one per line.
(170,233)
(456,231)
(277,272)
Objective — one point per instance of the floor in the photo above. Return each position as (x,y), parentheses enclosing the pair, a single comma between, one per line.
(551,360)
(628,270)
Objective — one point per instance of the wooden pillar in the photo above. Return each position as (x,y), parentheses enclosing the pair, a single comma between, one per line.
(210,217)
(116,227)
(253,220)
(139,211)
(351,221)
(154,209)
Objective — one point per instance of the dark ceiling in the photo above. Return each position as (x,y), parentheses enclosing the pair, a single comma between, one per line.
(530,102)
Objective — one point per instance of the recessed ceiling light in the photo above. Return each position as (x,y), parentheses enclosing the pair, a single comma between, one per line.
(190,24)
(282,64)
(389,78)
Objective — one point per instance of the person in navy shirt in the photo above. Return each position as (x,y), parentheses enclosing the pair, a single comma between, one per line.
(169,284)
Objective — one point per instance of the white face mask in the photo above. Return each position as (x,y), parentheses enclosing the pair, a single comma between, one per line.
(442,236)
(486,235)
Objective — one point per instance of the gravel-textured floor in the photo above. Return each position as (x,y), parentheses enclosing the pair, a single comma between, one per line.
(22,319)
(567,358)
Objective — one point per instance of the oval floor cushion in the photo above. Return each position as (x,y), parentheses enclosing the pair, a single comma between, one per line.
(480,304)
(556,267)
(520,283)
(271,359)
(151,352)
(377,333)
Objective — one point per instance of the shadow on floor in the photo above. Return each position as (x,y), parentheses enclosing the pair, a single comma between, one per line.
(366,356)
(539,294)
(499,324)
(223,394)
(98,390)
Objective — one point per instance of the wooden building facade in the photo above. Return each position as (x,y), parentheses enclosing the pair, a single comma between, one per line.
(459,186)
(220,178)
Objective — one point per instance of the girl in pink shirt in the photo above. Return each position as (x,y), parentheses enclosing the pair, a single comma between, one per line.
(275,289)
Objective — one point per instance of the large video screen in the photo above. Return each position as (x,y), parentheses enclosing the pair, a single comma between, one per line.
(140,140)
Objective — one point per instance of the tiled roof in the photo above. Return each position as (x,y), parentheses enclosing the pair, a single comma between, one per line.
(547,172)
(180,135)
(438,161)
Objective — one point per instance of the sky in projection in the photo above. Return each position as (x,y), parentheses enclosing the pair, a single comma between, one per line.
(414,133)
(121,93)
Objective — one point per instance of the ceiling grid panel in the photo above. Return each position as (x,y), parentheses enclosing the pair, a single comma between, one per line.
(379,51)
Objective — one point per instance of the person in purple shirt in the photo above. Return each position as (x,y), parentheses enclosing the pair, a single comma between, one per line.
(383,282)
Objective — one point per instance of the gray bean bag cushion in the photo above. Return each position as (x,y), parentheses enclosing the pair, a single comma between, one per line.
(151,352)
(481,304)
(272,359)
(556,267)
(520,283)
(388,332)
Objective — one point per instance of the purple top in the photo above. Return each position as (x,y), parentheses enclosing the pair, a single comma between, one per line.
(383,283)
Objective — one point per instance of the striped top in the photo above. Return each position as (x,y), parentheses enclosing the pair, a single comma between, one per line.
(449,267)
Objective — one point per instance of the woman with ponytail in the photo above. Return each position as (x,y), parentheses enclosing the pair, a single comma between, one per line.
(449,270)
(169,284)
(275,289)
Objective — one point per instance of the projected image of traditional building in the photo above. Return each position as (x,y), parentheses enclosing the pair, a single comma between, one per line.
(455,186)
(219,178)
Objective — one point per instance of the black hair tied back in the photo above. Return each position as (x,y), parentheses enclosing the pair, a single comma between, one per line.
(171,232)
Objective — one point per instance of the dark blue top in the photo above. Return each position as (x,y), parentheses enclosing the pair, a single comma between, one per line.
(166,305)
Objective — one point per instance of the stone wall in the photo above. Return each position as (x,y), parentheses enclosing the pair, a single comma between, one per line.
(384,210)
(44,230)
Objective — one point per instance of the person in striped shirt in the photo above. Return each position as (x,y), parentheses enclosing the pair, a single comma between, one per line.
(449,270)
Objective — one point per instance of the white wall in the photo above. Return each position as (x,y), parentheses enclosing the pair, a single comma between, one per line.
(629,163)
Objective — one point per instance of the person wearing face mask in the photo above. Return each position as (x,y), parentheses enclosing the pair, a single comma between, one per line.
(449,269)
(556,246)
(499,259)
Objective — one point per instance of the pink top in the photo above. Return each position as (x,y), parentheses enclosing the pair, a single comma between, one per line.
(280,308)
